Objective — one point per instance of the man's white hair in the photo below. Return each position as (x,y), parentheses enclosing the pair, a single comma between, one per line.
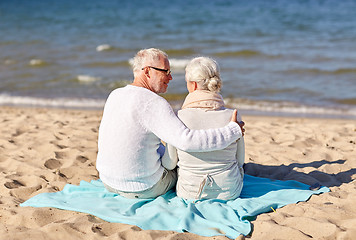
(146,57)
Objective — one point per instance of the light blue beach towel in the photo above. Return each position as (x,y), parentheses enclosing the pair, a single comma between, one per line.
(169,212)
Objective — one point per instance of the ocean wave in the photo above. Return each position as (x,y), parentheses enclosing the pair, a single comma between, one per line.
(8,43)
(108,64)
(180,52)
(240,53)
(9,62)
(87,78)
(174,62)
(291,108)
(345,71)
(176,100)
(178,63)
(104,47)
(107,47)
(81,103)
(350,101)
(275,107)
(316,71)
(37,62)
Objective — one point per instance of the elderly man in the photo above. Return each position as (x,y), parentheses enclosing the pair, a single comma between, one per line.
(134,122)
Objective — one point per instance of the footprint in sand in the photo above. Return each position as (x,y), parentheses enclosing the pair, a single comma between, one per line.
(61,124)
(24,192)
(13,184)
(98,230)
(82,159)
(60,146)
(52,163)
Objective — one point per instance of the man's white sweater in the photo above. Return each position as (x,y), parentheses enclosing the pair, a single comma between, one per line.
(134,122)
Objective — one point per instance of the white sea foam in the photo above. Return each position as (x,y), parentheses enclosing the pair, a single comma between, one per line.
(259,107)
(178,63)
(9,62)
(36,62)
(290,108)
(51,102)
(103,47)
(174,62)
(87,78)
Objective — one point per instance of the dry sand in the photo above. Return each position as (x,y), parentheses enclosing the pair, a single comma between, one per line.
(41,150)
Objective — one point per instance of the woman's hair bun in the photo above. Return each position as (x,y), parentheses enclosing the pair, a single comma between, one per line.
(214,84)
(206,72)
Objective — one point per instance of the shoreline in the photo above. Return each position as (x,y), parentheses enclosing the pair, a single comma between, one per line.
(43,149)
(176,105)
(245,106)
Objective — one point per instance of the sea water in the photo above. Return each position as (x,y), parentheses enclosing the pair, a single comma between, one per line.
(276,57)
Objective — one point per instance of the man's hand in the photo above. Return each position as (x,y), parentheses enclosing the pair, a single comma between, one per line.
(241,123)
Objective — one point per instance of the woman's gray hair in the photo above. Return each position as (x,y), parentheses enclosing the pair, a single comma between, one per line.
(206,72)
(146,57)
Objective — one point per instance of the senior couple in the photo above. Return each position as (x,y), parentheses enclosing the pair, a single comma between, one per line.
(204,147)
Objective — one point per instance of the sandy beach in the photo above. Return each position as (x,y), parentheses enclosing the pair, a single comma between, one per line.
(41,150)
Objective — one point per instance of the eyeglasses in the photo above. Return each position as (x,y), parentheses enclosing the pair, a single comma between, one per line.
(167,71)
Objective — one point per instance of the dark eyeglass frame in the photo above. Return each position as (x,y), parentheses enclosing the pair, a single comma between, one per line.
(167,71)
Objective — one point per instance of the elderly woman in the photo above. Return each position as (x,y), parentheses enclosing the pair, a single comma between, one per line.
(214,174)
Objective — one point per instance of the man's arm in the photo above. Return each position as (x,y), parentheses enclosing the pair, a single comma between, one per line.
(161,120)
